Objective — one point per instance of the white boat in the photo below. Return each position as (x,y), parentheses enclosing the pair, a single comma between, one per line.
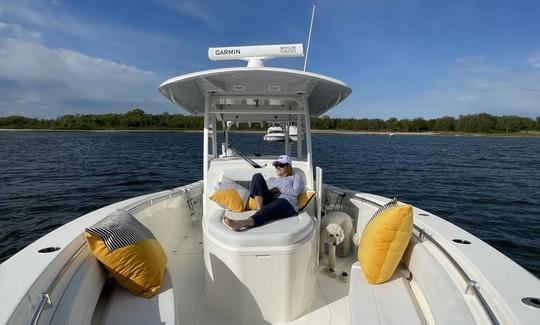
(269,274)
(276,133)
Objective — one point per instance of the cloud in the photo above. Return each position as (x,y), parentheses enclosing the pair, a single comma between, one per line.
(42,82)
(45,80)
(192,9)
(478,86)
(28,11)
(468,99)
(477,65)
(16,31)
(534,60)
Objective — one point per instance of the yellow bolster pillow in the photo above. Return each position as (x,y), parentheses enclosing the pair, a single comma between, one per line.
(137,267)
(229,199)
(384,241)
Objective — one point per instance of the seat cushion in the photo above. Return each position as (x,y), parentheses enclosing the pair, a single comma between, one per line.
(384,241)
(131,253)
(281,232)
(388,303)
(229,195)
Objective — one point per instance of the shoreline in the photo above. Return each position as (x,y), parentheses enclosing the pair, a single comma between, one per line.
(385,133)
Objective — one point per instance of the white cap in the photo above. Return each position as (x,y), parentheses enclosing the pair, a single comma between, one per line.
(283,159)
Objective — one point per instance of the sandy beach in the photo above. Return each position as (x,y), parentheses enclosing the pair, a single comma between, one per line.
(384,133)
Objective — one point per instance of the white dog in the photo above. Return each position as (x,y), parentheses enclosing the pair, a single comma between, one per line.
(336,229)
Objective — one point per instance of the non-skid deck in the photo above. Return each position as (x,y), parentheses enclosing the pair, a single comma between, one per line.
(186,264)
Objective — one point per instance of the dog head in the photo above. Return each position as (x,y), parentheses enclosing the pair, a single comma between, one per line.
(334,234)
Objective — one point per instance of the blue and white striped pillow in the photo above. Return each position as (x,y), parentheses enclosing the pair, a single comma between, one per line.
(120,229)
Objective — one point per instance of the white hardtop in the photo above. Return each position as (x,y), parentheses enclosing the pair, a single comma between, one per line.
(263,88)
(255,88)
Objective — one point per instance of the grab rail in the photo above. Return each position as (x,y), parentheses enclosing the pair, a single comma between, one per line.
(45,297)
(471,284)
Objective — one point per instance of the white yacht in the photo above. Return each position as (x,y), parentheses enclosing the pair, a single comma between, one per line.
(276,133)
(269,274)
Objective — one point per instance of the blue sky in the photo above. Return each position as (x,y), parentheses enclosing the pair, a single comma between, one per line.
(402,58)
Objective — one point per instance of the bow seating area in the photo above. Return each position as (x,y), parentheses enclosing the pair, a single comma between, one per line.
(288,245)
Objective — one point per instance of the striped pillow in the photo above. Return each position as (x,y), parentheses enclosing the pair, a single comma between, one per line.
(131,253)
(230,195)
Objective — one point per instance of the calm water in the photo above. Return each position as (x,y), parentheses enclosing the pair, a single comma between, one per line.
(490,186)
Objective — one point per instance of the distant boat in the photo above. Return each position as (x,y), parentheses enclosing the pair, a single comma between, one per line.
(276,134)
(391,134)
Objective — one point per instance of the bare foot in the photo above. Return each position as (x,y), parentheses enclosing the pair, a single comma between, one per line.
(235,225)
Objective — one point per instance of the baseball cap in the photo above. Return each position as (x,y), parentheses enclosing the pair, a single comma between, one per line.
(283,159)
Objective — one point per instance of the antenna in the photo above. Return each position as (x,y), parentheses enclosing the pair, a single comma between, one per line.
(255,55)
(309,36)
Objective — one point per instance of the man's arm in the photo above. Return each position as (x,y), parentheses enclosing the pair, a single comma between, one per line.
(295,188)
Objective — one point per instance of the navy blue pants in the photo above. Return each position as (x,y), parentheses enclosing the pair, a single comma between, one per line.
(272,208)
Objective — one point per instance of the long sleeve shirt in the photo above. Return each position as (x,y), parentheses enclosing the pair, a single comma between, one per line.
(289,187)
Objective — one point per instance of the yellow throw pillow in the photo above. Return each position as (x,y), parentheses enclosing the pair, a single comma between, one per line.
(251,205)
(303,200)
(131,253)
(384,241)
(230,195)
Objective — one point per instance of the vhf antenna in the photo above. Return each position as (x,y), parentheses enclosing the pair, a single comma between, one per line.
(309,36)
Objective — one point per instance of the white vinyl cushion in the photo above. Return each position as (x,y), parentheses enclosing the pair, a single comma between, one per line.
(281,232)
(125,308)
(387,303)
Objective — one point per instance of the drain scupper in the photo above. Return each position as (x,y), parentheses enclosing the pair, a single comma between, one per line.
(48,250)
(461,241)
(531,301)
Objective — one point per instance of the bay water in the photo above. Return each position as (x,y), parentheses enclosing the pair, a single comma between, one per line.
(487,185)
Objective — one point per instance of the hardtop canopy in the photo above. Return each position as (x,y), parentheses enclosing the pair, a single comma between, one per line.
(255,91)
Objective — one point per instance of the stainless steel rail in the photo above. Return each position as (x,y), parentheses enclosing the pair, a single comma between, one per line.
(471,284)
(45,297)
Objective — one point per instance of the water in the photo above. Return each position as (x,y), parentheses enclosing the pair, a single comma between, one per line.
(487,185)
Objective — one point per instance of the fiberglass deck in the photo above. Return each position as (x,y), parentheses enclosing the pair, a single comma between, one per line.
(186,264)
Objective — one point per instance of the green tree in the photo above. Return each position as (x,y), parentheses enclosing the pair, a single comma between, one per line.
(446,123)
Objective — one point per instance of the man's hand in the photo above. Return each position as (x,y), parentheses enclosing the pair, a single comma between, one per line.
(275,191)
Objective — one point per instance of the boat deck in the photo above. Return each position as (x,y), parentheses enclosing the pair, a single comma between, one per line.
(186,265)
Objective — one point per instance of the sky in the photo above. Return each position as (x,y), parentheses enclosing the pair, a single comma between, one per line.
(402,58)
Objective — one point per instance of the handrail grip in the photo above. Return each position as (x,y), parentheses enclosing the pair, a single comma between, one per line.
(45,297)
(470,283)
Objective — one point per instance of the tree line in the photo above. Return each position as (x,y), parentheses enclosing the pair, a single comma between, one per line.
(137,119)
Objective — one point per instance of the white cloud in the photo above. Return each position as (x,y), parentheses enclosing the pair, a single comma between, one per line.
(43,82)
(468,98)
(193,9)
(477,65)
(534,60)
(28,11)
(481,87)
(16,31)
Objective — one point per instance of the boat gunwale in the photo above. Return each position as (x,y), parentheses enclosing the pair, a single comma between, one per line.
(41,300)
